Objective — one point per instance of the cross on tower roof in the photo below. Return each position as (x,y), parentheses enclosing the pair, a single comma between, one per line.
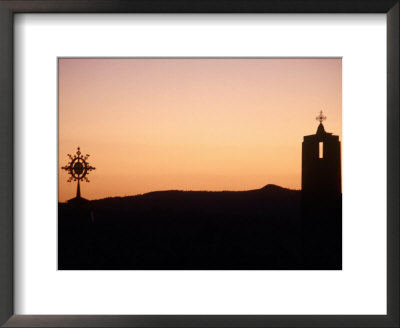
(320,117)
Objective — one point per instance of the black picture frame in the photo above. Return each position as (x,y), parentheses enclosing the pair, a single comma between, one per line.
(10,7)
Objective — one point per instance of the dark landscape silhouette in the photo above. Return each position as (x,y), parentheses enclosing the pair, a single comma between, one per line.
(257,229)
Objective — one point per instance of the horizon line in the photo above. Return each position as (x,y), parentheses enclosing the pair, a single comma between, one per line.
(180,190)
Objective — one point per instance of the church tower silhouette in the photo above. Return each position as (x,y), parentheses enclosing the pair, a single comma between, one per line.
(321,164)
(322,199)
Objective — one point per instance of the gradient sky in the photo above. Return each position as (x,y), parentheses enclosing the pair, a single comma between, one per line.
(192,124)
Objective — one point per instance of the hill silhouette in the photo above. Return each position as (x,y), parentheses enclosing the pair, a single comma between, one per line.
(236,230)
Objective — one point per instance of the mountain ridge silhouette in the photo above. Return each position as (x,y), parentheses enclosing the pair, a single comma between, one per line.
(259,229)
(266,188)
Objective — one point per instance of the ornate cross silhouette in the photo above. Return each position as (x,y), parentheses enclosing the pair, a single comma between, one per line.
(78,168)
(320,117)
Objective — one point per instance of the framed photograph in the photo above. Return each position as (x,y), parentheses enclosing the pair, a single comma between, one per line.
(199,164)
(186,148)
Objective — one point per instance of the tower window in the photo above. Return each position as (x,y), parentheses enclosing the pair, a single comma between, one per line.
(321,150)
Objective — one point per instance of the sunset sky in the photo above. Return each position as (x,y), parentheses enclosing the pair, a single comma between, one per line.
(192,124)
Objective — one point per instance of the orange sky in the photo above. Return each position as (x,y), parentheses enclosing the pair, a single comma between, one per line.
(192,124)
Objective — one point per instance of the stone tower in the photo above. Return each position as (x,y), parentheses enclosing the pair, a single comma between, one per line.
(321,163)
(322,199)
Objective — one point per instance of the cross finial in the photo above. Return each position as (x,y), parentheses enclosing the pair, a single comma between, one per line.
(320,117)
(78,168)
